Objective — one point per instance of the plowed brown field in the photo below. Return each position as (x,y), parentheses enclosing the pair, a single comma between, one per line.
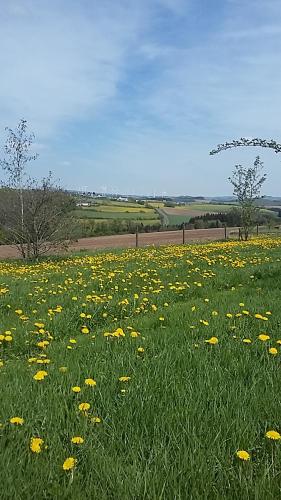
(129,240)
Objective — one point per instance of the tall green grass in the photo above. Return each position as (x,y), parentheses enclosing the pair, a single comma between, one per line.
(172,430)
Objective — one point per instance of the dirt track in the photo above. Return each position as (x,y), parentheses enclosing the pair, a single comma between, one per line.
(129,240)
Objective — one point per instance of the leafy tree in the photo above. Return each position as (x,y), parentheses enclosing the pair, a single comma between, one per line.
(247,183)
(35,217)
(264,143)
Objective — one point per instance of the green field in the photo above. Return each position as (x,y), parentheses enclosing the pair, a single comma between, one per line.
(140,374)
(93,214)
(121,209)
(108,211)
(183,213)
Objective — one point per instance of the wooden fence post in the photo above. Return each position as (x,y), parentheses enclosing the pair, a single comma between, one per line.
(183,234)
(225,232)
(137,237)
(257,229)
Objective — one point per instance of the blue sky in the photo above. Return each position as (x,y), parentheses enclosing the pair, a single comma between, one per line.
(130,95)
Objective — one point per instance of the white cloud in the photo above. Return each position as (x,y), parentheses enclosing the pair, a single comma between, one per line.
(61,62)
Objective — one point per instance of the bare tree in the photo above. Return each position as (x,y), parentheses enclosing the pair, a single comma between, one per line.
(35,217)
(247,183)
(17,151)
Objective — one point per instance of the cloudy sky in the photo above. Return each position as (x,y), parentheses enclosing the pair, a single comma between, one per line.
(130,95)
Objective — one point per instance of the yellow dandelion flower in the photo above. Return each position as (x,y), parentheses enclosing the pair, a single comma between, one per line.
(76,388)
(258,316)
(77,440)
(212,340)
(17,420)
(140,349)
(134,334)
(84,406)
(247,341)
(43,343)
(36,444)
(273,351)
(263,337)
(40,375)
(273,435)
(124,379)
(90,381)
(243,455)
(96,420)
(84,329)
(69,463)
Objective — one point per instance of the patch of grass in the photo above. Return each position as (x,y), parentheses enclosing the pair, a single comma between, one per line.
(175,220)
(95,214)
(173,429)
(118,209)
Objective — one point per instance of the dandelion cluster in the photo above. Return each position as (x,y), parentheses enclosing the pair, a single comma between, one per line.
(132,343)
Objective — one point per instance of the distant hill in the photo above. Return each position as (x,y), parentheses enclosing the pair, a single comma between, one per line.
(265,201)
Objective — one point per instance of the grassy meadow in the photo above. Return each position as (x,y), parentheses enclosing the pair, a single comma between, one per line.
(142,374)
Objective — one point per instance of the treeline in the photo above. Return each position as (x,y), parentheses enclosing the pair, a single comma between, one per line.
(233,218)
(87,228)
